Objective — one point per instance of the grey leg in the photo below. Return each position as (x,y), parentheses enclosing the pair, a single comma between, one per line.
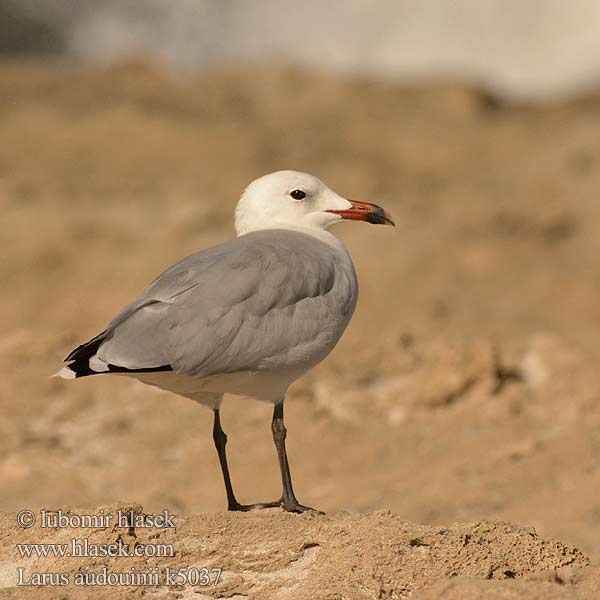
(220,439)
(289,501)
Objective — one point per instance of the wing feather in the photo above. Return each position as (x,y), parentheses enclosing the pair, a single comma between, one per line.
(264,300)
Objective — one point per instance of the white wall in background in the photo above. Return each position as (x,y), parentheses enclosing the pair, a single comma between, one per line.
(519,47)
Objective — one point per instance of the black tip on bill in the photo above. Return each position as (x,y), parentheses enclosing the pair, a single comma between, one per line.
(379,217)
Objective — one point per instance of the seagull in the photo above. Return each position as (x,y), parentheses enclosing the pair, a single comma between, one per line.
(248,316)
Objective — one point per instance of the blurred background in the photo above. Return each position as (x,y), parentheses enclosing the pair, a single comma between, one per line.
(466,386)
(530,49)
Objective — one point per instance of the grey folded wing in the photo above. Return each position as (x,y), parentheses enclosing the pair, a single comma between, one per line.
(262,301)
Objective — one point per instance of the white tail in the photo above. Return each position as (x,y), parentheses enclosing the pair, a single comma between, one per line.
(65,373)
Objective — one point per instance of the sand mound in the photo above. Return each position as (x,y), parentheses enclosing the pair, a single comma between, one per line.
(272,554)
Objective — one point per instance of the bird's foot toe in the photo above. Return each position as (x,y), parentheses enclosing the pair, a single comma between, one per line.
(256,506)
(287,505)
(295,507)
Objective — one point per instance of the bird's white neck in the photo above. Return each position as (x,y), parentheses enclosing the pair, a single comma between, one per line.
(317,232)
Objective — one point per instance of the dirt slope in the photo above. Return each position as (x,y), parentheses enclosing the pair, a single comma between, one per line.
(466,387)
(271,554)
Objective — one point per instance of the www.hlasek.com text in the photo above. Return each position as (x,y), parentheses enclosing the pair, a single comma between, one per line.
(85,549)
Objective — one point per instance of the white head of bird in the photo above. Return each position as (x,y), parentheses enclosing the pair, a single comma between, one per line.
(295,200)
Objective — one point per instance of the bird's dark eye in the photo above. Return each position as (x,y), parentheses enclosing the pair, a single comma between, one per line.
(298,194)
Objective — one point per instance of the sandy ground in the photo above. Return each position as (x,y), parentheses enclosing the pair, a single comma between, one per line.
(309,557)
(464,391)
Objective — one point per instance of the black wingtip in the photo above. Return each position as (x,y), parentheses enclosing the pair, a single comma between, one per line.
(80,360)
(88,349)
